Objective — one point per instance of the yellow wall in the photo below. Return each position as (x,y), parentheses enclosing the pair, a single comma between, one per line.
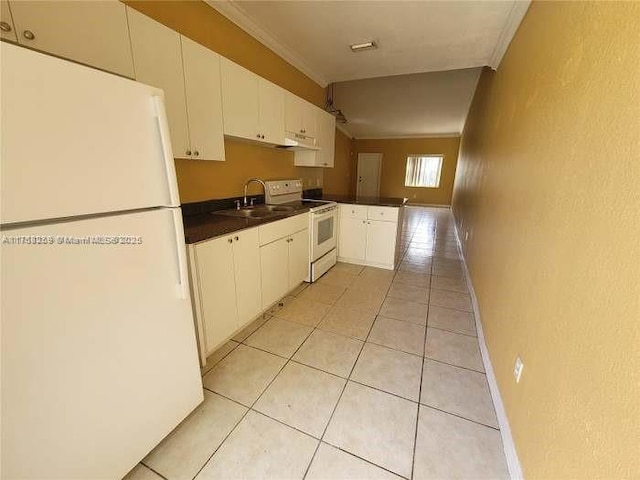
(548,186)
(200,180)
(339,179)
(394,163)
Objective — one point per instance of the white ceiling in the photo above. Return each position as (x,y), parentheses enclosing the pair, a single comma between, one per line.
(386,92)
(418,105)
(413,36)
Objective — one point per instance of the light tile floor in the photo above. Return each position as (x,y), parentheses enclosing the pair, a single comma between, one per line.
(367,374)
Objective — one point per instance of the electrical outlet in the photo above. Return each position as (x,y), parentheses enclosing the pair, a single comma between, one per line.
(517,369)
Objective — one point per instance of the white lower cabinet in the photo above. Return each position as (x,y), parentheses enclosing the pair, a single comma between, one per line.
(284,257)
(352,238)
(225,275)
(274,262)
(368,235)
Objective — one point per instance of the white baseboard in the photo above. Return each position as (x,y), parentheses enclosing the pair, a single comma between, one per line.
(515,470)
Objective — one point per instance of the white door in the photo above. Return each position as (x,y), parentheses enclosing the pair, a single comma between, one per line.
(99,358)
(310,119)
(271,112)
(214,260)
(246,260)
(381,242)
(240,104)
(274,267)
(352,238)
(157,55)
(204,100)
(298,258)
(8,31)
(94,33)
(79,141)
(369,166)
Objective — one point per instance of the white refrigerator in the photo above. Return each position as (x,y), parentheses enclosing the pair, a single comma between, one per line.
(99,358)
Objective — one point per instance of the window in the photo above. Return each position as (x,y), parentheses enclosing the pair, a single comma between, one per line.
(423,171)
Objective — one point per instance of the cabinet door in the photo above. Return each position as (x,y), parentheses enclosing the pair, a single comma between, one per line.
(293,110)
(240,104)
(246,260)
(298,258)
(352,238)
(214,261)
(381,242)
(271,112)
(158,60)
(204,100)
(326,139)
(274,264)
(8,31)
(310,119)
(94,33)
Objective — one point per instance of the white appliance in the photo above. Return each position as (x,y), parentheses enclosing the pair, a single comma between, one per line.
(99,358)
(323,223)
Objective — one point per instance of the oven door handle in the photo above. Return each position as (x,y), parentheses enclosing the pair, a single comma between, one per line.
(322,215)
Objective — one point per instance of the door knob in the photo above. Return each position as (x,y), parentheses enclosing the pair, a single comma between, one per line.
(236,238)
(28,34)
(5,27)
(196,153)
(188,152)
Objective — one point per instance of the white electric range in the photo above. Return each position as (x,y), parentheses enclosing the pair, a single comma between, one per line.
(323,223)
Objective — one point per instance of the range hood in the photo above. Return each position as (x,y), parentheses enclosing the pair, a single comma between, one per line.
(298,141)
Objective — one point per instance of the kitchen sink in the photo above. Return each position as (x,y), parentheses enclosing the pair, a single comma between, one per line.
(258,211)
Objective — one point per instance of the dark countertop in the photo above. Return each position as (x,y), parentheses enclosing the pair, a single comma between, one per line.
(207,225)
(374,201)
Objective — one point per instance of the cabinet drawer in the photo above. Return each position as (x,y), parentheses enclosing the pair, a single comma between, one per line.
(353,211)
(275,230)
(386,214)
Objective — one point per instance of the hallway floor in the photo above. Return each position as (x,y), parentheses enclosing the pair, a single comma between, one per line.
(367,374)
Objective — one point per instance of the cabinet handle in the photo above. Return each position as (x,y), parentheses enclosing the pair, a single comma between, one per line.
(188,152)
(258,136)
(230,240)
(261,136)
(363,221)
(236,238)
(28,34)
(196,153)
(5,27)
(368,223)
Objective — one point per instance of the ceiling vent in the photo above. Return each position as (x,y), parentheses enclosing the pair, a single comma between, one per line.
(361,47)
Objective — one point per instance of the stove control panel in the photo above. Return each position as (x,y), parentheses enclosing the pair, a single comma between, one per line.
(282,191)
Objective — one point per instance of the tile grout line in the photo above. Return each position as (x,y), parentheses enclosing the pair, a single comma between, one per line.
(335,407)
(422,362)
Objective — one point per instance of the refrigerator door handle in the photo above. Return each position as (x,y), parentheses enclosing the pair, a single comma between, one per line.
(167,152)
(183,281)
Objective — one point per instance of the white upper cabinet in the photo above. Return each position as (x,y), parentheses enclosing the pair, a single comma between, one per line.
(204,100)
(326,141)
(271,112)
(253,107)
(93,33)
(157,54)
(189,74)
(7,30)
(240,104)
(300,116)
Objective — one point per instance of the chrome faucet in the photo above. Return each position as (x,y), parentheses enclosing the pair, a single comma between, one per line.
(246,184)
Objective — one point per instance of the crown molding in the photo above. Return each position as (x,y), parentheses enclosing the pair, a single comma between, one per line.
(516,14)
(401,137)
(234,12)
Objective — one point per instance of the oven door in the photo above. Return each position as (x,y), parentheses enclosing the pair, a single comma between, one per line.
(324,229)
